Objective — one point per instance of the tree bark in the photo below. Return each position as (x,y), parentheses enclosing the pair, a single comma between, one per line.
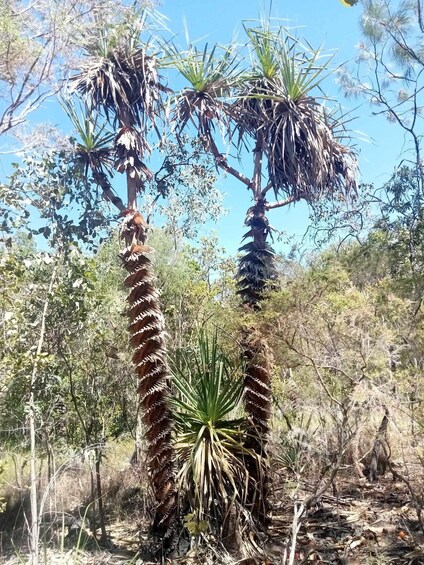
(148,341)
(32,422)
(379,455)
(99,494)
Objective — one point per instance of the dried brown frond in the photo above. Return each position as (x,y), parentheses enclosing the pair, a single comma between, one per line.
(304,156)
(120,81)
(130,146)
(300,140)
(203,109)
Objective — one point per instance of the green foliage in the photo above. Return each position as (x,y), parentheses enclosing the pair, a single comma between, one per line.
(209,438)
(295,448)
(194,527)
(206,70)
(212,74)
(271,104)
(335,335)
(390,63)
(78,369)
(94,149)
(23,290)
(14,47)
(184,188)
(338,325)
(55,185)
(387,24)
(402,223)
(85,359)
(196,284)
(393,249)
(280,58)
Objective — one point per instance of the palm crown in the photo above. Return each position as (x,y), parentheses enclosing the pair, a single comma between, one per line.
(120,79)
(271,103)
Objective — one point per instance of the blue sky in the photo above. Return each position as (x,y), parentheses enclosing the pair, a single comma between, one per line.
(325,23)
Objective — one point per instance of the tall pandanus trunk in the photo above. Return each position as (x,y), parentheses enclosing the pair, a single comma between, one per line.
(147,330)
(119,80)
(256,273)
(148,342)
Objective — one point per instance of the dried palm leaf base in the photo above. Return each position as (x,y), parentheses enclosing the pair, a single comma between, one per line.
(129,145)
(256,271)
(148,341)
(257,401)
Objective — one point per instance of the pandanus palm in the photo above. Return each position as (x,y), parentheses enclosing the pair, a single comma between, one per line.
(119,80)
(269,107)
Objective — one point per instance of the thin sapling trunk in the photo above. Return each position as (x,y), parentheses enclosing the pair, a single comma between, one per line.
(32,422)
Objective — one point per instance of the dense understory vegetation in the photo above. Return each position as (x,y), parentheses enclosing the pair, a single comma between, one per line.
(345,339)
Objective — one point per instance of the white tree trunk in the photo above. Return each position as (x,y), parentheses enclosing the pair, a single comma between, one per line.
(34,530)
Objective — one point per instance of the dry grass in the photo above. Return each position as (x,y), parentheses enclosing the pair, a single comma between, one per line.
(68,515)
(355,521)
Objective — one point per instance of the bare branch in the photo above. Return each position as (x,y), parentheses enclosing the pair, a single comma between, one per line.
(221,161)
(281,203)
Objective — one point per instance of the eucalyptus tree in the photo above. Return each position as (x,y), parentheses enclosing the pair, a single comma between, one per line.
(119,81)
(298,154)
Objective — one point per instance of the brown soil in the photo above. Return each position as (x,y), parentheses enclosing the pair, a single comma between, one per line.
(362,523)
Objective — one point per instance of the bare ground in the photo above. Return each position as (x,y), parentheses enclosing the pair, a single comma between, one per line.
(361,523)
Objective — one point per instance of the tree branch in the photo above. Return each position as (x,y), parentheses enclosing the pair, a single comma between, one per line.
(281,203)
(221,161)
(100,178)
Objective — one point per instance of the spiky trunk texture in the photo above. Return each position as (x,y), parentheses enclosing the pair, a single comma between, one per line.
(257,402)
(256,271)
(257,389)
(148,341)
(256,274)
